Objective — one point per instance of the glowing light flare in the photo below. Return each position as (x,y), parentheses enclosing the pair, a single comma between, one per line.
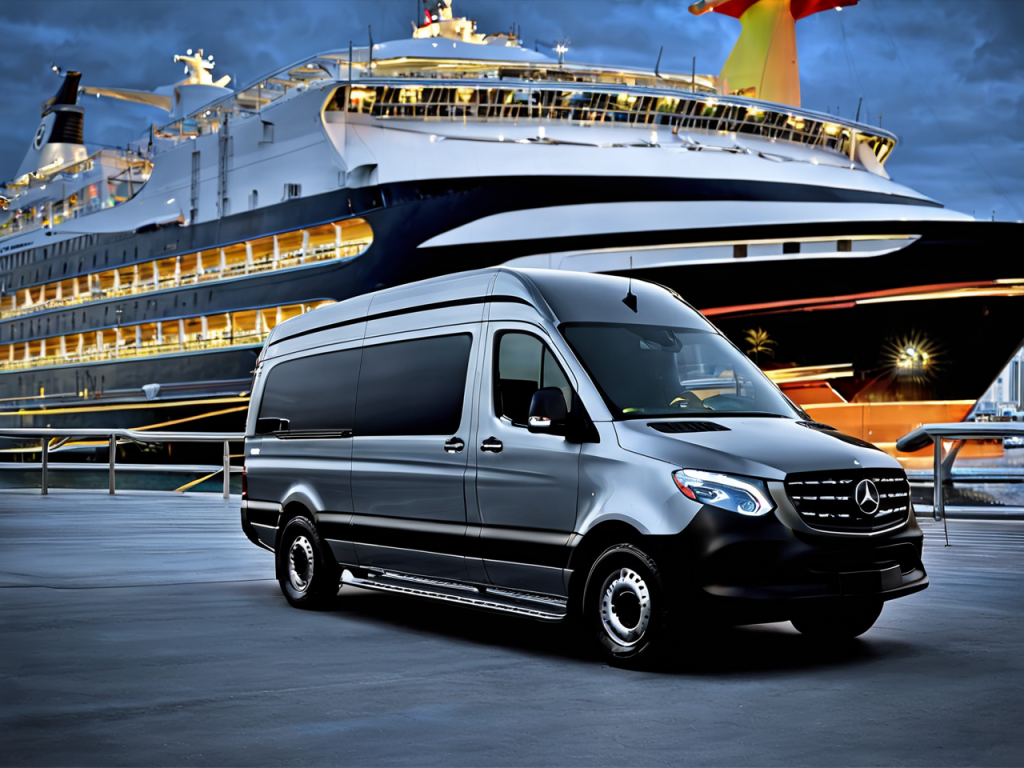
(914,357)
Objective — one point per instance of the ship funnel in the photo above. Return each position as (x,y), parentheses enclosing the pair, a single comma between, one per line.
(763,63)
(58,140)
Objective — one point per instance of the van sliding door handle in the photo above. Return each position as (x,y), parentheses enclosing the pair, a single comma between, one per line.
(491,444)
(454,445)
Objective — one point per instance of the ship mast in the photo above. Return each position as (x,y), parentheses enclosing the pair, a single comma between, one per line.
(763,63)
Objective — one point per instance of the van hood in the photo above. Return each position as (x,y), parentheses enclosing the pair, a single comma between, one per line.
(768,448)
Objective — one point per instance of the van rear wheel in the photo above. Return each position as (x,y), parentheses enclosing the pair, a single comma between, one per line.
(624,610)
(308,578)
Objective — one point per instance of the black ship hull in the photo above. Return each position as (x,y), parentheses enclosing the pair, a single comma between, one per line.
(804,303)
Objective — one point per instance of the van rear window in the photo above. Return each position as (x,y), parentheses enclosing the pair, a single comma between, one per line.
(313,393)
(413,387)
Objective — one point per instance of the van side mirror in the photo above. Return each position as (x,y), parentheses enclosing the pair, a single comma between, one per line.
(269,425)
(548,413)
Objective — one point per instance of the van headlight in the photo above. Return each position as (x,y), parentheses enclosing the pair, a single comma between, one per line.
(744,495)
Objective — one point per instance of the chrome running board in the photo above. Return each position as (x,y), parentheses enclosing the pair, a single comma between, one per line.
(543,607)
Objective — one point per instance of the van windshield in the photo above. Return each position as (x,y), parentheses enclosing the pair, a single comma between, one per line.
(648,370)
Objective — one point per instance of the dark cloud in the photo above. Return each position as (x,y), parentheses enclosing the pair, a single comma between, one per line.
(944,74)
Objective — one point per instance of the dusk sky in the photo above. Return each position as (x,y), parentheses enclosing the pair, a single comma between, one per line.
(945,76)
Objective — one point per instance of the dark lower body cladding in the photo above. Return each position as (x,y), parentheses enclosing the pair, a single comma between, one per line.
(752,570)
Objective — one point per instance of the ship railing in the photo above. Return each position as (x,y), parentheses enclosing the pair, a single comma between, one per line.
(209,274)
(956,433)
(51,439)
(129,349)
(589,105)
(127,172)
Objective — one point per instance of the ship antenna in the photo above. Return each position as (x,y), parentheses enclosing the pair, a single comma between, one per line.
(658,62)
(857,118)
(630,300)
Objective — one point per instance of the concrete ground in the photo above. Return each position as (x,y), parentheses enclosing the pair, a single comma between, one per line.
(144,630)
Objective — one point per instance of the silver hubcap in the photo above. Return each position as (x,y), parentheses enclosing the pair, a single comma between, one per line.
(625,607)
(300,564)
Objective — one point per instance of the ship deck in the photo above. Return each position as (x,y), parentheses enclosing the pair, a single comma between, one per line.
(144,628)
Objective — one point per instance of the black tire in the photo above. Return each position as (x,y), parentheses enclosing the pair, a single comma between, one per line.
(841,620)
(308,578)
(624,612)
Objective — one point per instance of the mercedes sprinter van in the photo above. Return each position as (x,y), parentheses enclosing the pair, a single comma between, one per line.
(563,445)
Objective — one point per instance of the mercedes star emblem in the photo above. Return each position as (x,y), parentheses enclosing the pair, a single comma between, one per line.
(866,496)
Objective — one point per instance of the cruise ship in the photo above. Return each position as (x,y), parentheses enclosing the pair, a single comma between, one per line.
(137,285)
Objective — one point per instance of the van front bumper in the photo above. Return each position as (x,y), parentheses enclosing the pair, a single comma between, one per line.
(749,570)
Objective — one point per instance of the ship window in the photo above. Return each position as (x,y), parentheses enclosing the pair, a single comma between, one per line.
(292,191)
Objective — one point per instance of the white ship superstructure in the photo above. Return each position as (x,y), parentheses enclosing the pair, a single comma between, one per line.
(370,166)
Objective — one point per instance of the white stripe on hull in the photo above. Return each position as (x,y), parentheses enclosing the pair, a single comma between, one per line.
(678,255)
(619,218)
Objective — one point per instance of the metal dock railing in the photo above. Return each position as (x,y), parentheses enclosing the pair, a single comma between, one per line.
(51,439)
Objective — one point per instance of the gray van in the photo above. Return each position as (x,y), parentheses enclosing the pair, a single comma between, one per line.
(563,445)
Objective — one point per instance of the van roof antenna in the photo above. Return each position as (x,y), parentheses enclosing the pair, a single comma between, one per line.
(630,300)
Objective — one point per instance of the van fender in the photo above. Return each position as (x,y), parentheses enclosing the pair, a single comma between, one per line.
(300,494)
(299,498)
(616,485)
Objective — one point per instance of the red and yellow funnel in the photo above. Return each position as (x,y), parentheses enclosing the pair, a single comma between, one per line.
(763,63)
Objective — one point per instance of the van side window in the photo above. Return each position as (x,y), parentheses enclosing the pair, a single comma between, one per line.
(413,387)
(524,366)
(314,393)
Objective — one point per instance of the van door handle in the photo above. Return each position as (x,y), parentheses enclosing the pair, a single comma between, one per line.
(491,444)
(454,445)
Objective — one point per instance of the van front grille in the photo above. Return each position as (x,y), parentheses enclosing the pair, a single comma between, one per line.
(851,501)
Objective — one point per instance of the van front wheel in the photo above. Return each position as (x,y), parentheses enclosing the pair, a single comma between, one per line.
(307,578)
(624,606)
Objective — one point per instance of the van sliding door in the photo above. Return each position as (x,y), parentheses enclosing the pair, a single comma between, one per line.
(412,427)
